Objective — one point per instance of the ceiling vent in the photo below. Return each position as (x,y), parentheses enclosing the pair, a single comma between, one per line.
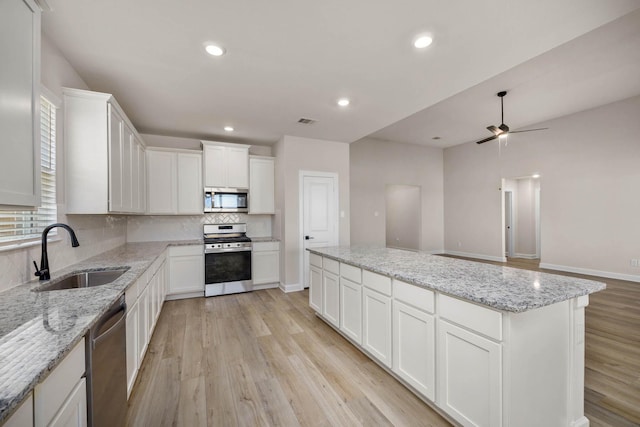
(306,121)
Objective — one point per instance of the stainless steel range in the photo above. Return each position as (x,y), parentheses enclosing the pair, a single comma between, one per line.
(227,259)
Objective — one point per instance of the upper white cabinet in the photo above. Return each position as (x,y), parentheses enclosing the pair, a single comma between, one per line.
(174,181)
(225,165)
(261,185)
(20,103)
(104,156)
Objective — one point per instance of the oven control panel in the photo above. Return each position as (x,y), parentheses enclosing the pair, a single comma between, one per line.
(227,247)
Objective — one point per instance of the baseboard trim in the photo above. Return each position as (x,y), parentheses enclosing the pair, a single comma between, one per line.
(184,295)
(294,287)
(478,256)
(589,272)
(525,256)
(266,286)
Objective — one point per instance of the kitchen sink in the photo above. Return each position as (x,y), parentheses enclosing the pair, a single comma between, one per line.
(83,279)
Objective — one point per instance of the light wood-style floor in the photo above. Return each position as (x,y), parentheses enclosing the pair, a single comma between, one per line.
(263,358)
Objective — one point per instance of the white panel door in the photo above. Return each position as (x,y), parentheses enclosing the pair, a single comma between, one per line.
(469,385)
(320,213)
(414,347)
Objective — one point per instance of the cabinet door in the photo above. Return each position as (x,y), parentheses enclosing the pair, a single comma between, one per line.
(414,348)
(376,333)
(237,167)
(115,159)
(127,168)
(23,416)
(132,346)
(265,267)
(141,201)
(73,412)
(261,186)
(161,182)
(215,168)
(331,298)
(186,270)
(351,309)
(190,191)
(469,372)
(20,103)
(315,288)
(143,324)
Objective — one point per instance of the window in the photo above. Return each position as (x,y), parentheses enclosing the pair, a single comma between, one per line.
(22,225)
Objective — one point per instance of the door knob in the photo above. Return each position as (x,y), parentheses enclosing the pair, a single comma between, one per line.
(308,237)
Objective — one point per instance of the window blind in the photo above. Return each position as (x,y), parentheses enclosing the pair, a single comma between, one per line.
(22,225)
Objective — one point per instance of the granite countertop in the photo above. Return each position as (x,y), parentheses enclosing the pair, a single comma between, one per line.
(38,329)
(502,288)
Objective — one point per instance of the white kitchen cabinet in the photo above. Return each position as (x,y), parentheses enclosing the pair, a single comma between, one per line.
(376,331)
(60,400)
(143,323)
(225,165)
(132,345)
(265,263)
(102,173)
(470,377)
(315,288)
(20,104)
(23,416)
(174,182)
(261,185)
(186,272)
(414,347)
(351,309)
(331,298)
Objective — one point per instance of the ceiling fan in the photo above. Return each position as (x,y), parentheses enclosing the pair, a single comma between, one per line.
(502,130)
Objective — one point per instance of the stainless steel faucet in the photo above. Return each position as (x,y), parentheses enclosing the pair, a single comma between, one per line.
(43,271)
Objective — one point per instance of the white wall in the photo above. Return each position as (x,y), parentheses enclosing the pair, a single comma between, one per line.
(375,164)
(294,154)
(97,233)
(590,175)
(193,144)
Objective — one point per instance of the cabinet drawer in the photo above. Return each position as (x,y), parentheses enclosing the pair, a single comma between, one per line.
(350,272)
(331,265)
(377,282)
(416,296)
(54,390)
(483,320)
(266,246)
(315,260)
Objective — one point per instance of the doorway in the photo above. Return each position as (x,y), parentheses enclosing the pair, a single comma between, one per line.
(403,214)
(318,215)
(521,217)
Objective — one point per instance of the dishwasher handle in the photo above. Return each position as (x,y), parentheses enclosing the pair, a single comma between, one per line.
(121,309)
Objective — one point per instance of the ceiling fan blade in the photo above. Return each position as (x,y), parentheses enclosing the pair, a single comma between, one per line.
(527,130)
(503,127)
(491,138)
(494,130)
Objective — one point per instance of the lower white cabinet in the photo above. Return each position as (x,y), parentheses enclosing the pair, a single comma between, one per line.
(331,298)
(23,416)
(470,377)
(315,288)
(265,263)
(414,347)
(351,309)
(186,271)
(144,303)
(376,322)
(61,399)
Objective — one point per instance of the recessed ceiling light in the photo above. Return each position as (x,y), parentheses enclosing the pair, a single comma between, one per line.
(214,50)
(229,128)
(422,42)
(343,102)
(535,175)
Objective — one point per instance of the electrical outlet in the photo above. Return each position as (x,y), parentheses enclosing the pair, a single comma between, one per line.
(634,262)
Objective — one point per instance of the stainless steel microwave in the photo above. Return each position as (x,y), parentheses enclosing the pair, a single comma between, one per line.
(226,200)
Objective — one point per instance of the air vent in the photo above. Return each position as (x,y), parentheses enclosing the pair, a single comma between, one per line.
(306,121)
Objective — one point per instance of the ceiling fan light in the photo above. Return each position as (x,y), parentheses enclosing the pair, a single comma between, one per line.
(422,42)
(503,135)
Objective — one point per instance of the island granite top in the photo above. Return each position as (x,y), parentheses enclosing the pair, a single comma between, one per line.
(38,329)
(503,288)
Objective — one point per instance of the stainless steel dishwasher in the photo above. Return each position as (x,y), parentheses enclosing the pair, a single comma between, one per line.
(106,355)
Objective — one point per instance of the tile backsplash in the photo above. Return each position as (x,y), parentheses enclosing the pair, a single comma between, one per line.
(96,234)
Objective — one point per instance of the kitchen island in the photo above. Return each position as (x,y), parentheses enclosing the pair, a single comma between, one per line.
(485,345)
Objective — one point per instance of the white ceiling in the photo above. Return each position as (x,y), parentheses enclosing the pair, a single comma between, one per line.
(292,59)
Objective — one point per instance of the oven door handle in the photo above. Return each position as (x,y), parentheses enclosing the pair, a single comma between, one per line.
(228,250)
